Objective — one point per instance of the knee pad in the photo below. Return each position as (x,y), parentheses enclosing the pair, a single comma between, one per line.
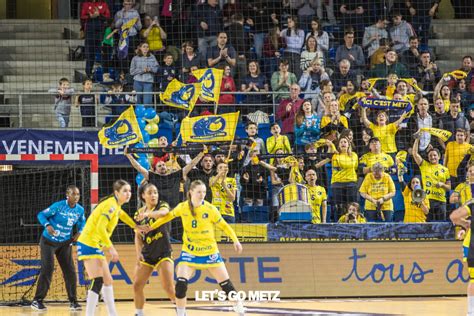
(181,287)
(227,286)
(96,285)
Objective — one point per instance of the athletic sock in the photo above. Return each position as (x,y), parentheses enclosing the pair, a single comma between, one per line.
(139,312)
(92,300)
(108,294)
(470,305)
(180,311)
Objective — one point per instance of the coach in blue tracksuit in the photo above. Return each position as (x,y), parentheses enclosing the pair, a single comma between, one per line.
(58,221)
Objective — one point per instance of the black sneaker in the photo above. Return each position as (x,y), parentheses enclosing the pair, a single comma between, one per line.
(38,305)
(74,306)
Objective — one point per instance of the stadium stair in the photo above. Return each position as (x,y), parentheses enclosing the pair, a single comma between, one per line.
(34,55)
(452,40)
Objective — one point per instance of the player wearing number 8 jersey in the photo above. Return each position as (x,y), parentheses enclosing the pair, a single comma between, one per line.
(199,243)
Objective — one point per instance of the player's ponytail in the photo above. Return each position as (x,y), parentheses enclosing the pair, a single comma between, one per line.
(193,185)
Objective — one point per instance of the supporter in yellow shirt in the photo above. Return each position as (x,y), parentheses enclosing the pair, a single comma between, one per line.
(436,181)
(317,197)
(223,192)
(414,212)
(375,155)
(383,131)
(344,177)
(455,152)
(378,190)
(153,34)
(277,141)
(353,215)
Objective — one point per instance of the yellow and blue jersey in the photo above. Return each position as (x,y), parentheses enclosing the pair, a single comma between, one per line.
(101,224)
(198,237)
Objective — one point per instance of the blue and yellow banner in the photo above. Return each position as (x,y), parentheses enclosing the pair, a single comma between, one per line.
(122,48)
(209,128)
(180,95)
(125,130)
(384,104)
(210,80)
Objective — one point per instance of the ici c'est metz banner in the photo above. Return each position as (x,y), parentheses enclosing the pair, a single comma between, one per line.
(36,142)
(326,269)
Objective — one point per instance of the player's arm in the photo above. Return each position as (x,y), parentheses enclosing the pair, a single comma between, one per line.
(161,212)
(163,220)
(124,217)
(101,230)
(44,215)
(81,222)
(458,217)
(222,225)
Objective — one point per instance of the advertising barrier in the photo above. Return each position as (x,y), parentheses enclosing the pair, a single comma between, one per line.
(343,269)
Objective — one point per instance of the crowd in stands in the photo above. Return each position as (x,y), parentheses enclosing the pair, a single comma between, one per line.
(318,59)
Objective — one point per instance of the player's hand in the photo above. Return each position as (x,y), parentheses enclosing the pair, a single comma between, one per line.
(461,234)
(238,247)
(114,256)
(51,230)
(143,228)
(140,258)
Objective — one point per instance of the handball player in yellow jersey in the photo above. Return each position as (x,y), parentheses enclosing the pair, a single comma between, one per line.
(95,237)
(199,243)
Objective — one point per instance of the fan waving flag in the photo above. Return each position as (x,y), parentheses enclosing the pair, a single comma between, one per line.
(180,95)
(125,130)
(122,48)
(210,80)
(209,128)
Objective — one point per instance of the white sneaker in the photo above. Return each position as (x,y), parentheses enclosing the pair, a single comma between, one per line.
(239,308)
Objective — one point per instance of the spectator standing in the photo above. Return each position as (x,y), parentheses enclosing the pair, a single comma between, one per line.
(373,34)
(143,69)
(427,74)
(94,14)
(411,57)
(436,181)
(154,35)
(287,111)
(343,74)
(351,52)
(415,212)
(125,15)
(254,82)
(191,60)
(294,38)
(378,190)
(62,101)
(422,12)
(208,22)
(87,103)
(319,34)
(344,177)
(282,80)
(400,33)
(223,54)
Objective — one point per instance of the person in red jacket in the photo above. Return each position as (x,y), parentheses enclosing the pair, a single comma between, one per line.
(227,85)
(94,14)
(287,111)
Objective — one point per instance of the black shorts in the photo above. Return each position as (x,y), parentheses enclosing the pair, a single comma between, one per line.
(155,261)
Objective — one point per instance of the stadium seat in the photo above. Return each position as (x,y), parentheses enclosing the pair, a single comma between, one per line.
(255,214)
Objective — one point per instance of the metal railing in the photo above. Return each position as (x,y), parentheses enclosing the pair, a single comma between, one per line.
(27,105)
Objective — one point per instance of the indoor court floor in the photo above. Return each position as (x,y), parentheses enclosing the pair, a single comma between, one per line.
(433,306)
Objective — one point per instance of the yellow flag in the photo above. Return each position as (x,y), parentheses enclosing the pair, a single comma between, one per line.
(210,80)
(180,95)
(209,128)
(123,131)
(129,24)
(440,133)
